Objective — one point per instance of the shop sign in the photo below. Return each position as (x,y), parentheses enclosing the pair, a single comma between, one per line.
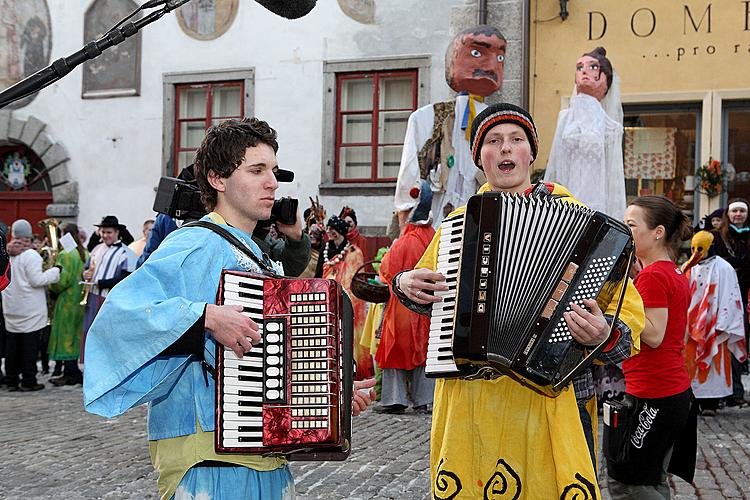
(644,22)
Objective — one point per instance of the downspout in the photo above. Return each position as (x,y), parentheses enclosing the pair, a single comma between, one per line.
(482,14)
(525,37)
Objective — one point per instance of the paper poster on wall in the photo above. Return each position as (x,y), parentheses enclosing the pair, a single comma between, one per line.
(650,152)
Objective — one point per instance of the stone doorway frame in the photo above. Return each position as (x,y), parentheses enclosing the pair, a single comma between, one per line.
(31,132)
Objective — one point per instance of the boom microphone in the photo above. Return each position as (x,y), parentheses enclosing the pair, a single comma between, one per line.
(290,9)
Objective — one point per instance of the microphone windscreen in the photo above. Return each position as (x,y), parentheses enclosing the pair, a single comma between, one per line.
(290,9)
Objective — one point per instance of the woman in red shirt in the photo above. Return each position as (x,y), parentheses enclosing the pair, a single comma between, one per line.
(656,378)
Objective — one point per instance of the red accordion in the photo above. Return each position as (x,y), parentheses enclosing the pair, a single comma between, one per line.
(292,394)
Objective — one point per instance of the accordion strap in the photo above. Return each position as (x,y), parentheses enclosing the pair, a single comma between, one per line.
(236,242)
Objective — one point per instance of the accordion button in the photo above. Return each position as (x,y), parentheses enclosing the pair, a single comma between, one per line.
(272,327)
(273,383)
(272,338)
(273,394)
(273,360)
(273,349)
(273,371)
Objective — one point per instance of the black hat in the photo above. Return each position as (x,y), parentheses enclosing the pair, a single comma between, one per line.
(339,225)
(111,221)
(501,113)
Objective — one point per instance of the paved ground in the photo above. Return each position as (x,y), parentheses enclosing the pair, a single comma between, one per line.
(51,448)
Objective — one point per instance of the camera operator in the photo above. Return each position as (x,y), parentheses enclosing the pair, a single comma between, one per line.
(292,247)
(292,250)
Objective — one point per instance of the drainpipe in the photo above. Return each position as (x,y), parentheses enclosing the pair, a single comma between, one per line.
(525,81)
(482,14)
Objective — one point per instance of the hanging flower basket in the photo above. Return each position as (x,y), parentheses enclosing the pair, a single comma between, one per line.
(710,178)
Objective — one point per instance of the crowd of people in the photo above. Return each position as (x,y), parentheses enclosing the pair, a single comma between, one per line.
(143,311)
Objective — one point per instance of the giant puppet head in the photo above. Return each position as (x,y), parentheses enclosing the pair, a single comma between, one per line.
(474,61)
(594,73)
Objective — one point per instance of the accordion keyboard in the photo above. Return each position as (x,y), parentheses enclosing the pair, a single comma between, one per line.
(440,350)
(243,378)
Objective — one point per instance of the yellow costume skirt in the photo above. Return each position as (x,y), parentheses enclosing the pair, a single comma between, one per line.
(497,439)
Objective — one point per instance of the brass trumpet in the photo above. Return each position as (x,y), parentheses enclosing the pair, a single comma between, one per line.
(87,284)
(50,251)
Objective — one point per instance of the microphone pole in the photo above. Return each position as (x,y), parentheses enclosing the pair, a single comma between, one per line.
(61,67)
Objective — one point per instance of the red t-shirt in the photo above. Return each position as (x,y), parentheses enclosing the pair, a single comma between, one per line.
(661,372)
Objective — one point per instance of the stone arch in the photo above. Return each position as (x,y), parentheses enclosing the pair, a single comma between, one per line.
(32,133)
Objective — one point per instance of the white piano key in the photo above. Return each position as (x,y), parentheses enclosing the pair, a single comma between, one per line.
(236,297)
(236,388)
(245,422)
(235,443)
(235,408)
(253,282)
(235,434)
(242,385)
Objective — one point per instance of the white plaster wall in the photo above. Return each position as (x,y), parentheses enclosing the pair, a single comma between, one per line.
(115,144)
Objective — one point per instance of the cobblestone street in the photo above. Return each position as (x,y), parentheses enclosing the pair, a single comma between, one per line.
(53,449)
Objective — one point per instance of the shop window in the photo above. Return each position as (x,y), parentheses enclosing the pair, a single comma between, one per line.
(372,109)
(197,107)
(736,147)
(661,152)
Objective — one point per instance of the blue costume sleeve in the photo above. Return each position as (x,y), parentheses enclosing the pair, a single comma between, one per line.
(142,316)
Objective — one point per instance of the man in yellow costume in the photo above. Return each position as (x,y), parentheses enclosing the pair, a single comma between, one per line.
(500,438)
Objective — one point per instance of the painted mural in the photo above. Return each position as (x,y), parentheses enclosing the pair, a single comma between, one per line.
(207,19)
(362,11)
(117,71)
(25,42)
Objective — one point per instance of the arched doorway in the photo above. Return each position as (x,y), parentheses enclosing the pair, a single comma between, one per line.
(25,186)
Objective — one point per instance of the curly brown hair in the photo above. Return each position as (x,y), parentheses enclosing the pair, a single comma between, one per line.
(223,150)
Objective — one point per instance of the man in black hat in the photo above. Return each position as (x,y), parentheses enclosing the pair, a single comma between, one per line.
(110,262)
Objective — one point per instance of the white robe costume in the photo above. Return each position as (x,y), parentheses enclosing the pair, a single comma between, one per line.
(461,181)
(586,155)
(715,327)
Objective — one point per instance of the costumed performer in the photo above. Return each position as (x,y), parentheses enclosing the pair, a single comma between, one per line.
(436,145)
(339,261)
(501,434)
(715,324)
(586,154)
(155,337)
(67,321)
(402,353)
(110,262)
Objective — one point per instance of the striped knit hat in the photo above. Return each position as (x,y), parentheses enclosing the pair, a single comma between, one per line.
(501,113)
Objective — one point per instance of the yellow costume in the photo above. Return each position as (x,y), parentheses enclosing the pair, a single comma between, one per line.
(501,439)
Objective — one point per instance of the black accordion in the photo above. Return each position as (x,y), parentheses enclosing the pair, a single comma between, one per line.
(513,265)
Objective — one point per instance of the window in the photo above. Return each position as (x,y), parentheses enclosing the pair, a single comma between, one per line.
(736,140)
(661,151)
(371,115)
(195,101)
(197,107)
(366,106)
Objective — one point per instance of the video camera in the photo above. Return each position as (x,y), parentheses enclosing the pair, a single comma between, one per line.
(180,199)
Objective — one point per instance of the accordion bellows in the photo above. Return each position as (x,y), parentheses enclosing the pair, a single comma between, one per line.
(514,264)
